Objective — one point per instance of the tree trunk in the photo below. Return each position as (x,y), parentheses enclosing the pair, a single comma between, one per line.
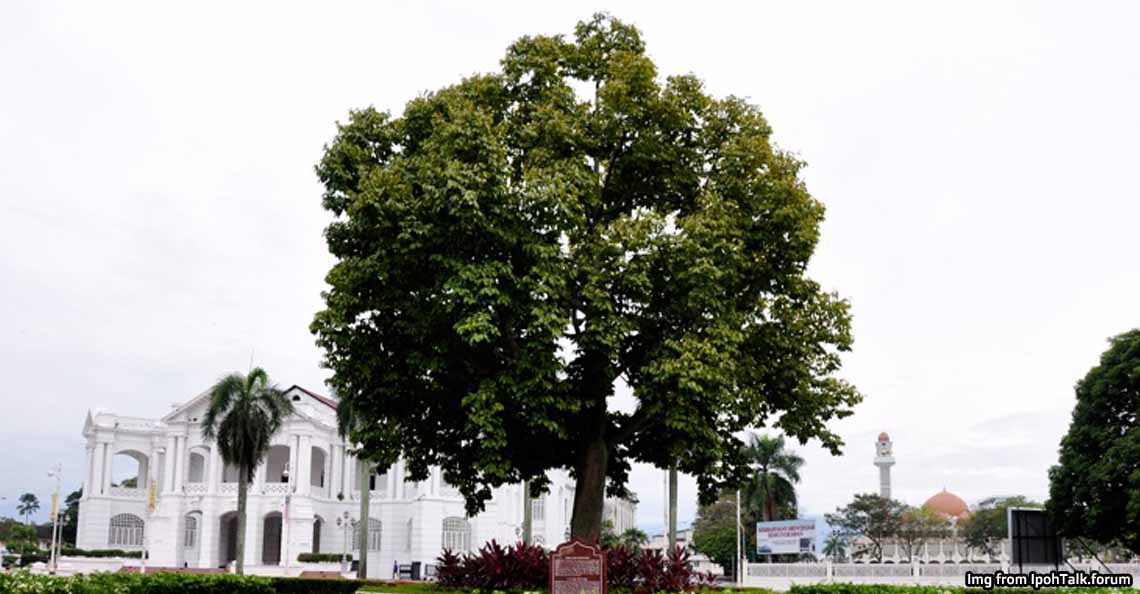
(362,525)
(672,529)
(528,514)
(239,542)
(590,491)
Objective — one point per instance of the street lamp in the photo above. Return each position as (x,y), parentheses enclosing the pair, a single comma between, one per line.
(343,522)
(56,472)
(285,516)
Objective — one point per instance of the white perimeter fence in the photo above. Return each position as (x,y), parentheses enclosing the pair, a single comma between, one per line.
(781,576)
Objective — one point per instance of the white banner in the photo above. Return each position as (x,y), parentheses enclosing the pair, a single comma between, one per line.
(785,536)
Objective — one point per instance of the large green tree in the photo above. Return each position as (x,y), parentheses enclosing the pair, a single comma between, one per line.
(514,246)
(869,516)
(988,523)
(243,413)
(1094,491)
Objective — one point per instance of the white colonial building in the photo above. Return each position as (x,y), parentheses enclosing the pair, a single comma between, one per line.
(304,498)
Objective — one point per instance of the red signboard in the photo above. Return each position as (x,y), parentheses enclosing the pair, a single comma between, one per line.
(577,568)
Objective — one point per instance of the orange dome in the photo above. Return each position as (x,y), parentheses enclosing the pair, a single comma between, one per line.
(884,437)
(947,504)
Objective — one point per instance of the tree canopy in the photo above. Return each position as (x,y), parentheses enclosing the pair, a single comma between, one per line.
(714,532)
(513,246)
(988,524)
(1094,491)
(869,516)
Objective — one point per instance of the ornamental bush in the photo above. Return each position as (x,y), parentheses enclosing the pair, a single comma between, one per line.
(914,589)
(22,582)
(101,553)
(322,557)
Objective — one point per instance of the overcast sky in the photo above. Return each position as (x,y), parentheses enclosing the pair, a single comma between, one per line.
(160,219)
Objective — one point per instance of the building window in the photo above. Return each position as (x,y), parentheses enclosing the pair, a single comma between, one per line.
(538,508)
(456,535)
(190,534)
(373,534)
(126,531)
(408,536)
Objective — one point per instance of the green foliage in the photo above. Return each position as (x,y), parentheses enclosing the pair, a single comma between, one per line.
(835,547)
(323,557)
(917,526)
(70,529)
(843,588)
(73,552)
(714,532)
(988,523)
(314,586)
(28,505)
(770,493)
(243,413)
(14,532)
(1094,492)
(176,583)
(507,249)
(871,516)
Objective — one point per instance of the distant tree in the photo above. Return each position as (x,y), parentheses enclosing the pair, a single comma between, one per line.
(28,506)
(917,526)
(769,492)
(509,250)
(988,523)
(714,533)
(835,547)
(16,532)
(634,538)
(868,516)
(71,514)
(243,413)
(1094,492)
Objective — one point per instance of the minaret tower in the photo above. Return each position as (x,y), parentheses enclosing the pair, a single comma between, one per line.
(884,459)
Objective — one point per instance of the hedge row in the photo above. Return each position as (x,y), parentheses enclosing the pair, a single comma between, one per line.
(908,589)
(21,582)
(322,557)
(73,552)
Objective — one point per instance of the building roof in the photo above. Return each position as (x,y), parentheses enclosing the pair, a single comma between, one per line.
(947,504)
(329,402)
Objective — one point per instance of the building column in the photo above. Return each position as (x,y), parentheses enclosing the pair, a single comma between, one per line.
(177,462)
(333,477)
(168,466)
(305,464)
(89,472)
(213,467)
(108,467)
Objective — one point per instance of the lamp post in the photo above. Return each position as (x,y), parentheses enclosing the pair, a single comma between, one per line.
(343,522)
(56,472)
(285,516)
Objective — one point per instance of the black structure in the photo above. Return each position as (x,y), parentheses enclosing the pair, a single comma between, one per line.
(1032,539)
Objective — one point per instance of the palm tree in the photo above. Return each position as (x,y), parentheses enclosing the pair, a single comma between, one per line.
(243,414)
(835,547)
(776,471)
(29,505)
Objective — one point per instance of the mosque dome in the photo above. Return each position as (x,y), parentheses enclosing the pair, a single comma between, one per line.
(884,437)
(947,504)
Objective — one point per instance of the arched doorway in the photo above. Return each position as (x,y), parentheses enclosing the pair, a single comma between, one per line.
(318,523)
(271,539)
(191,525)
(227,538)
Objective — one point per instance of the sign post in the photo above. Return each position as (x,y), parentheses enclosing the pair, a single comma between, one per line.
(578,568)
(785,537)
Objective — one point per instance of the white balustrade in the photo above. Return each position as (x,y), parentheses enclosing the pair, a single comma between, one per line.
(194,488)
(276,489)
(129,492)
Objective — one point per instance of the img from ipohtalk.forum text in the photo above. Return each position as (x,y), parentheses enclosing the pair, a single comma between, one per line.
(1048,579)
